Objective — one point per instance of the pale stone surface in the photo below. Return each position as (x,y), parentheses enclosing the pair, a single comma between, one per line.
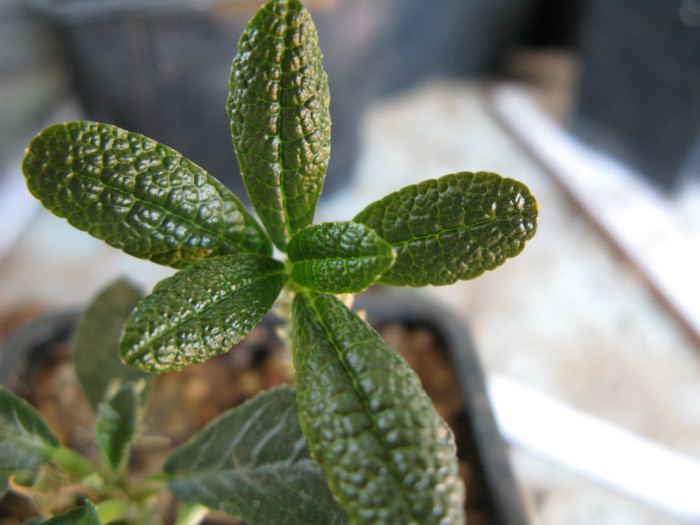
(568,316)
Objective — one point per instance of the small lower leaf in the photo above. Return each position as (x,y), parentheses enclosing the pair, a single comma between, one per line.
(338,257)
(117,422)
(26,441)
(253,462)
(452,228)
(201,311)
(96,342)
(389,457)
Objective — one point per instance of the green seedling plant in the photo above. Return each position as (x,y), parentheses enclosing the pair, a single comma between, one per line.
(357,440)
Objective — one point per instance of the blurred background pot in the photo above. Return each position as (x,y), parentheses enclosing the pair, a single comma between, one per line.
(639,83)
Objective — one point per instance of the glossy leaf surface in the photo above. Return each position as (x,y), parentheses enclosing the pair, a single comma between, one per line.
(26,441)
(253,462)
(388,456)
(200,311)
(338,257)
(137,195)
(117,424)
(452,228)
(280,119)
(96,342)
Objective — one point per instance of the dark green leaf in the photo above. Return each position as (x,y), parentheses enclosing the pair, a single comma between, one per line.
(117,424)
(280,119)
(338,257)
(388,456)
(452,228)
(4,484)
(201,311)
(25,438)
(96,344)
(253,462)
(137,195)
(81,516)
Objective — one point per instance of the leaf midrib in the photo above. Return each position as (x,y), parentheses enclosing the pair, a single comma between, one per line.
(365,404)
(283,170)
(205,472)
(227,296)
(24,433)
(184,219)
(464,227)
(206,477)
(339,258)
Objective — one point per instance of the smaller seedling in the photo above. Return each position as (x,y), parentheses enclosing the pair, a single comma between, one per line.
(381,454)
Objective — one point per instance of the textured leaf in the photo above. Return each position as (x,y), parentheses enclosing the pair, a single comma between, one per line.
(389,457)
(452,228)
(338,257)
(96,343)
(117,423)
(26,441)
(253,462)
(137,195)
(280,119)
(81,516)
(200,311)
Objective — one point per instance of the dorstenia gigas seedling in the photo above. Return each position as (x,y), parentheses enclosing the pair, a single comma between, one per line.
(358,441)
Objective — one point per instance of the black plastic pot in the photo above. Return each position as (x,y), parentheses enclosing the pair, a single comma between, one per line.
(32,343)
(481,446)
(639,90)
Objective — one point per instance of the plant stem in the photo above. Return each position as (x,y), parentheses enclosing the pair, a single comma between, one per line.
(72,462)
(190,513)
(150,486)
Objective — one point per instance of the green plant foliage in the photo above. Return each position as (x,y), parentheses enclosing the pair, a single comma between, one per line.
(360,441)
(280,119)
(26,441)
(452,228)
(96,342)
(117,424)
(4,484)
(137,195)
(86,515)
(338,257)
(388,456)
(252,462)
(201,311)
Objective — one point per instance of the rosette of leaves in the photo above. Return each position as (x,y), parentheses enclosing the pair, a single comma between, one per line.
(387,456)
